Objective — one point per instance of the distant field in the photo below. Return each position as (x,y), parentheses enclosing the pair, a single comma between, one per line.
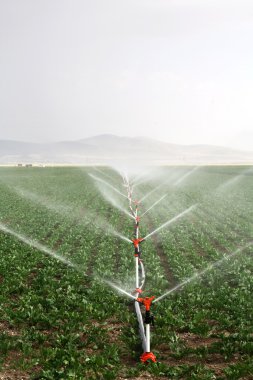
(59,323)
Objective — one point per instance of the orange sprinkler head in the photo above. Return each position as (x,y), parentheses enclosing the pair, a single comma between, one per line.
(147,301)
(137,219)
(138,290)
(136,242)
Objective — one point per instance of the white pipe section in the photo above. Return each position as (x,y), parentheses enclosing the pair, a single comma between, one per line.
(148,337)
(141,325)
(137,272)
(139,265)
(143,275)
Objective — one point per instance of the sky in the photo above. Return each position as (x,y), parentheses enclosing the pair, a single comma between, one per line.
(179,71)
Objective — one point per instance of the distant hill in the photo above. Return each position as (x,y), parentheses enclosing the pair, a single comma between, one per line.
(104,149)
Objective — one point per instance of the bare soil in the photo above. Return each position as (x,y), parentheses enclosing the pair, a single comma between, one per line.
(7,329)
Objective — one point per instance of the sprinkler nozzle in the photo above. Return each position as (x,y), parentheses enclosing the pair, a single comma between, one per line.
(136,242)
(147,301)
(138,290)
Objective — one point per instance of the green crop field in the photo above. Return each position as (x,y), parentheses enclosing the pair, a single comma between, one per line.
(59,241)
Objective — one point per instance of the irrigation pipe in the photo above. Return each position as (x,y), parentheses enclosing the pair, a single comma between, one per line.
(140,276)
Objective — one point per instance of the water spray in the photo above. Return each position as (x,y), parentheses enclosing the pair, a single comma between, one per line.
(171,221)
(107,184)
(120,290)
(147,321)
(35,244)
(154,204)
(198,275)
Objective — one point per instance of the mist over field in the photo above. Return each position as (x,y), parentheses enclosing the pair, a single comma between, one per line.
(69,280)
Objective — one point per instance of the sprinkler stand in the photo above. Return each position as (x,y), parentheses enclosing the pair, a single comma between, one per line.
(147,355)
(144,332)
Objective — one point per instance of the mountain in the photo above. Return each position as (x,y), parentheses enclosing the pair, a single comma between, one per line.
(106,149)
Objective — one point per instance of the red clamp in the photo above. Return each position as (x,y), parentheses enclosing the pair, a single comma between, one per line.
(138,290)
(137,219)
(148,356)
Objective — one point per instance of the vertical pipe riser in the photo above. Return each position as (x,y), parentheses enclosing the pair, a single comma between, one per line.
(145,337)
(141,326)
(148,338)
(137,272)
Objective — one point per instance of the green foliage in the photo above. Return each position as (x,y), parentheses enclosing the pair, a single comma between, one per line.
(56,323)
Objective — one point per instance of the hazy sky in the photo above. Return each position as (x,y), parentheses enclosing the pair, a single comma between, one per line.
(177,70)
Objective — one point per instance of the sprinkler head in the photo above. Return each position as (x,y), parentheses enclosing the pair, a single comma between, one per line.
(147,301)
(136,242)
(138,290)
(136,203)
(137,219)
(148,356)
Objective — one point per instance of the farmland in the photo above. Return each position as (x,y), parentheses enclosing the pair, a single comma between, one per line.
(63,322)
